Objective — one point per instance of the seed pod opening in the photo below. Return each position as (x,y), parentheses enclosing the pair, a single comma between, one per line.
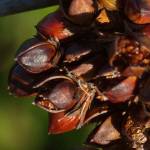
(60,96)
(38,57)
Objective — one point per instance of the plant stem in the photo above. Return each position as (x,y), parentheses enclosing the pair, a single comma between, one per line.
(8,7)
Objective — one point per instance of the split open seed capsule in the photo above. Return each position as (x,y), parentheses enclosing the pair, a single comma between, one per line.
(38,57)
(21,82)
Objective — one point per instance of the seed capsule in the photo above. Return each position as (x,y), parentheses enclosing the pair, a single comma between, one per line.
(57,28)
(123,91)
(106,133)
(21,82)
(38,57)
(138,11)
(63,95)
(79,11)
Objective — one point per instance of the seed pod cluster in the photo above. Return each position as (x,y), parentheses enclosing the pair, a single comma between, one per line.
(90,62)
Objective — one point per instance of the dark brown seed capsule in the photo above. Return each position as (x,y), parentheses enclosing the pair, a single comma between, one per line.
(61,96)
(39,57)
(21,82)
(106,133)
(62,122)
(123,91)
(79,11)
(138,11)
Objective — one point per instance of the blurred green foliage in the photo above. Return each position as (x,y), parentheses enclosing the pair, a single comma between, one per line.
(22,125)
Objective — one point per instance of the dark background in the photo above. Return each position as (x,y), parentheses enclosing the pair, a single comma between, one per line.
(22,125)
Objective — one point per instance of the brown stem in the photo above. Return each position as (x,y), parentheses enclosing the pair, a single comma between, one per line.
(8,7)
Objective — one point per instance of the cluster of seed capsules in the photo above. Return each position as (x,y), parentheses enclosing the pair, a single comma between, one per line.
(90,62)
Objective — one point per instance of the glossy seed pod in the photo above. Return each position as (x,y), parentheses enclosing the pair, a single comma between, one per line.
(107,132)
(122,91)
(38,56)
(62,122)
(138,11)
(79,11)
(20,82)
(59,96)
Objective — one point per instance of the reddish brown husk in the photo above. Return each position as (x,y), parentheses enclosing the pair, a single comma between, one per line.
(61,122)
(54,25)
